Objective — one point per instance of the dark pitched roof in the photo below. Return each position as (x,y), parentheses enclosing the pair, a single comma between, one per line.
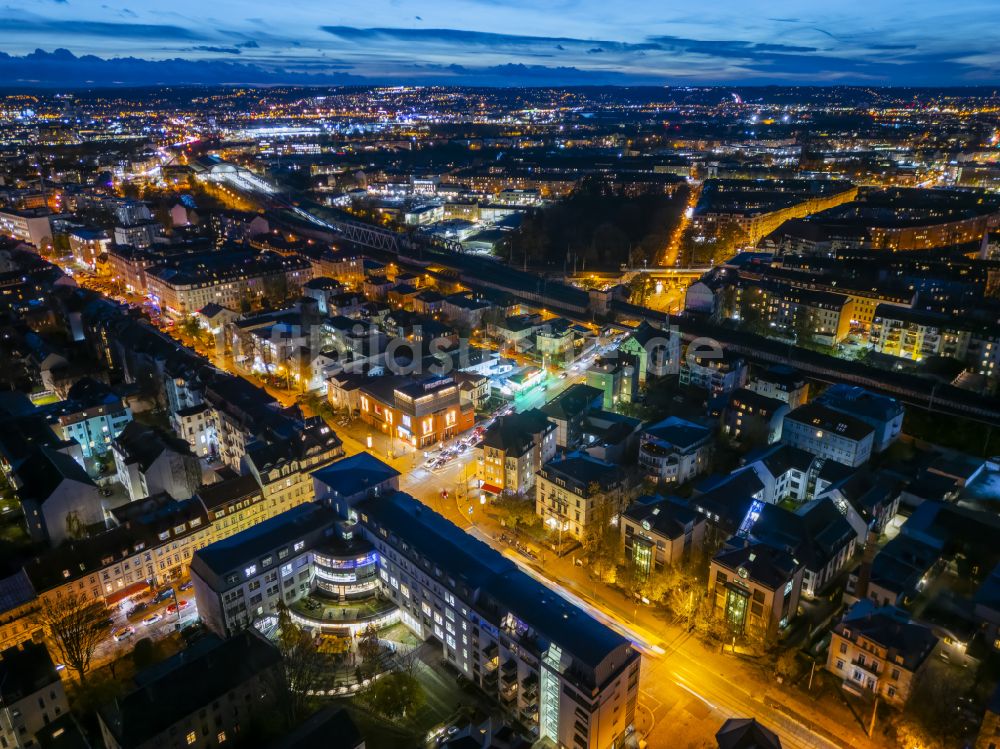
(667,516)
(746,733)
(515,432)
(144,444)
(814,534)
(817,415)
(331,728)
(187,682)
(573,401)
(44,471)
(891,628)
(764,564)
(25,669)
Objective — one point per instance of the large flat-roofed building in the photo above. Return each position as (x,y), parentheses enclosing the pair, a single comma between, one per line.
(243,578)
(568,677)
(31,226)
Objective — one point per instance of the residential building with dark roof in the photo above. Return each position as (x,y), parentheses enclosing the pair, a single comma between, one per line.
(817,534)
(829,434)
(716,374)
(150,461)
(879,651)
(576,491)
(92,415)
(657,351)
(283,467)
(658,532)
(58,497)
(675,450)
(782,382)
(752,418)
(569,410)
(31,694)
(201,697)
(513,450)
(755,589)
(882,413)
(347,481)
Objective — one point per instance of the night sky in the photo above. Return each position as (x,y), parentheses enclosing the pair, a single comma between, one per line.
(528,41)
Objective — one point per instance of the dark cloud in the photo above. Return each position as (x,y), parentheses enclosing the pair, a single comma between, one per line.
(250,44)
(219,50)
(464,37)
(61,68)
(724,48)
(97,28)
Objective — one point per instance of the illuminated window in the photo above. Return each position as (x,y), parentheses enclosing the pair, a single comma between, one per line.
(191,738)
(251,570)
(428,425)
(221,738)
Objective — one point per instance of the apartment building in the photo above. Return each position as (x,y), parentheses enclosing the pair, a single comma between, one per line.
(882,413)
(717,374)
(783,383)
(560,672)
(31,694)
(674,450)
(92,415)
(513,450)
(658,532)
(150,461)
(205,696)
(830,434)
(33,226)
(577,491)
(245,577)
(284,468)
(236,279)
(755,588)
(879,651)
(752,418)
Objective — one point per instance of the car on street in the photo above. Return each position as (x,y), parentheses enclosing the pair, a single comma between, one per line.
(151,619)
(185,586)
(138,608)
(181,605)
(163,594)
(123,634)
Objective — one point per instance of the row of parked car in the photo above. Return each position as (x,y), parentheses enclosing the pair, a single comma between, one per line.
(142,607)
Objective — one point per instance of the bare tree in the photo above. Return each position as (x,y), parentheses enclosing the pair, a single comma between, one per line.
(303,666)
(74,626)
